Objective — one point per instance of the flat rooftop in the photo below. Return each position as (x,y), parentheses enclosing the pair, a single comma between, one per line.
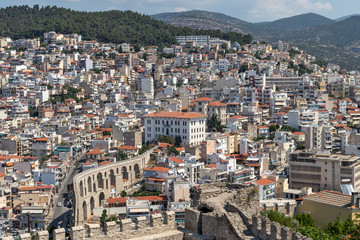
(329,197)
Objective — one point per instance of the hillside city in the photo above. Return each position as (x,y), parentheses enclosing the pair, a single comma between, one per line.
(203,131)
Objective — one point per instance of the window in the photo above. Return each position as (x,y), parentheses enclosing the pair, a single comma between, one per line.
(148,121)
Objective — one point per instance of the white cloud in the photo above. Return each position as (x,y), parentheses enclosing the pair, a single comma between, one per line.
(271,9)
(180,9)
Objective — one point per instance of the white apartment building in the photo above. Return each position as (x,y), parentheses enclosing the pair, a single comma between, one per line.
(190,126)
(146,85)
(318,137)
(223,65)
(198,39)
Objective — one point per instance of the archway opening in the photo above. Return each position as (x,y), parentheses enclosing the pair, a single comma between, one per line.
(124,173)
(101,198)
(84,205)
(137,171)
(100,180)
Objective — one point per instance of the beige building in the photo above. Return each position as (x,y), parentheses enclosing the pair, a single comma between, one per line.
(326,206)
(233,141)
(323,171)
(210,107)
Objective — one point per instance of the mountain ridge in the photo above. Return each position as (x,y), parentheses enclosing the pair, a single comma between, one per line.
(320,36)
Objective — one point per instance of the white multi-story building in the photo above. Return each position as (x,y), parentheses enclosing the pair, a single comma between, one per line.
(190,126)
(146,85)
(223,65)
(198,39)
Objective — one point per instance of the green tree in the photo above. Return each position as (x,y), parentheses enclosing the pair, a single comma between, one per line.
(274,127)
(178,141)
(288,128)
(121,155)
(214,124)
(257,55)
(103,216)
(243,68)
(123,193)
(143,149)
(300,147)
(224,46)
(171,150)
(166,139)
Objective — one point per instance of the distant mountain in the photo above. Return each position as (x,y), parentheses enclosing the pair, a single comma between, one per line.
(346,17)
(325,38)
(297,22)
(204,20)
(344,34)
(212,20)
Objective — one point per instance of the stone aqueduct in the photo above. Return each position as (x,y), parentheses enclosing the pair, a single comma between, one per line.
(94,185)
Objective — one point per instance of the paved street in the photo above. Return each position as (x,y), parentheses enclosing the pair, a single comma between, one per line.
(58,216)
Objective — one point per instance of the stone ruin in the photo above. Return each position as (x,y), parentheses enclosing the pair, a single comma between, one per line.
(231,211)
(160,227)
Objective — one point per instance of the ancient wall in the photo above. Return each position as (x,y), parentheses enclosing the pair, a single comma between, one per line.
(266,229)
(234,219)
(94,185)
(160,227)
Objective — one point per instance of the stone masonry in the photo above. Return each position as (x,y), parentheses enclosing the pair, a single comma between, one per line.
(160,227)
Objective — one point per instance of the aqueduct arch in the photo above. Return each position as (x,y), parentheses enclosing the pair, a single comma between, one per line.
(94,185)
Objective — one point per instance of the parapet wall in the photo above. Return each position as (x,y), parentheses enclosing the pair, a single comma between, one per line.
(263,228)
(126,229)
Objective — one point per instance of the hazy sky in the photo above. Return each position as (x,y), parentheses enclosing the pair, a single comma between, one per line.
(248,10)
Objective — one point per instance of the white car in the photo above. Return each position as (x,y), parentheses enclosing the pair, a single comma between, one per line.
(59,204)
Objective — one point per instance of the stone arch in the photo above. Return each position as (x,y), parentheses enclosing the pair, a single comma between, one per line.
(81,189)
(101,197)
(130,168)
(94,187)
(100,180)
(112,178)
(85,192)
(85,213)
(92,204)
(124,173)
(117,170)
(107,184)
(137,171)
(89,184)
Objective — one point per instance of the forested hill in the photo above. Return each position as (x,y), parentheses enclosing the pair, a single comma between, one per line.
(109,26)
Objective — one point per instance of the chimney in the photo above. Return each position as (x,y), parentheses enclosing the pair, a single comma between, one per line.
(355,199)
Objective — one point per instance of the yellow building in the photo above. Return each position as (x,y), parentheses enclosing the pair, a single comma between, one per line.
(326,205)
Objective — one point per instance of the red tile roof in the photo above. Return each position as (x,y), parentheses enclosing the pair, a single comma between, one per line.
(127,148)
(157,169)
(217,104)
(204,99)
(176,160)
(176,114)
(264,181)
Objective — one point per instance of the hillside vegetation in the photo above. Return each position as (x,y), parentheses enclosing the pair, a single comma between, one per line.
(109,26)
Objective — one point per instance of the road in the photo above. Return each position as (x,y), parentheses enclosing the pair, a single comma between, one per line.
(60,216)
